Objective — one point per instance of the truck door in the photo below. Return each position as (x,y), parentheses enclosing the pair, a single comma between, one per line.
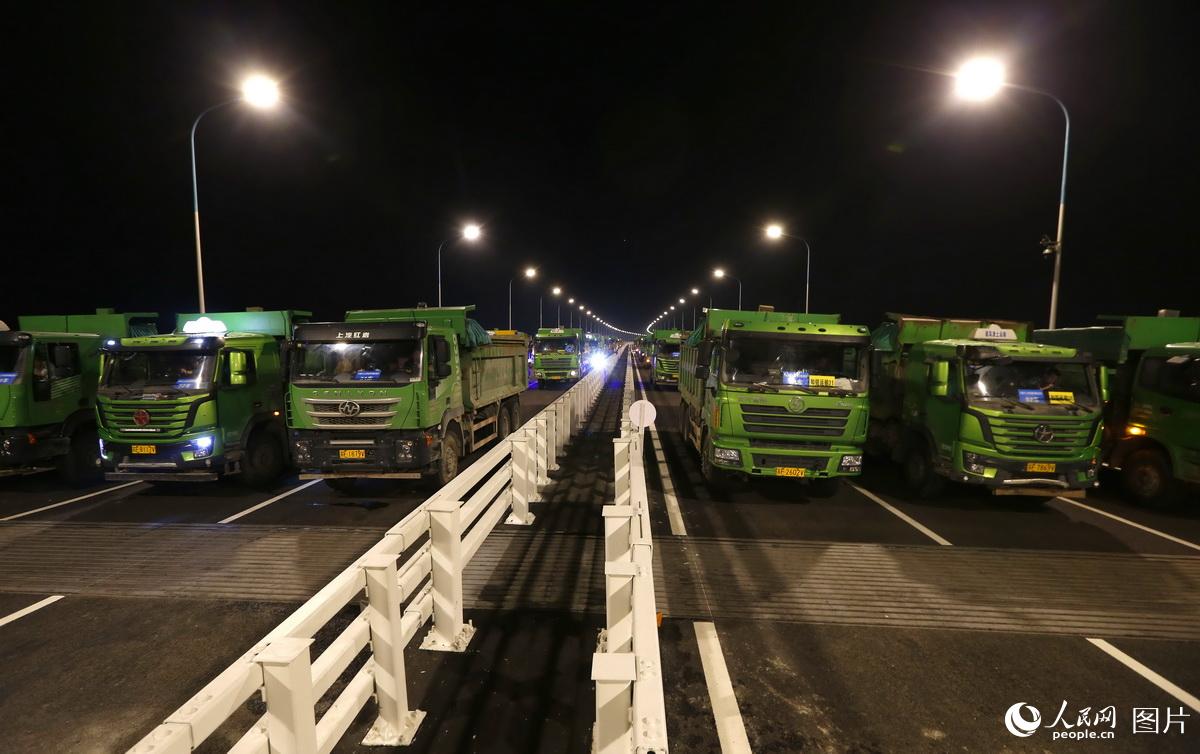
(237,393)
(942,412)
(56,382)
(1167,400)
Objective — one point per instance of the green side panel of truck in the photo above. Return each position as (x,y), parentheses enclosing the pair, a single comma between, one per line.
(666,347)
(362,428)
(49,368)
(1154,378)
(165,432)
(1035,448)
(811,433)
(561,364)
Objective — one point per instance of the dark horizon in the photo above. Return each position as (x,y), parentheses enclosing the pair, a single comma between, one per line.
(625,155)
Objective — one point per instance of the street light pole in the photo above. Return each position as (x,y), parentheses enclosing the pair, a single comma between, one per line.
(196,203)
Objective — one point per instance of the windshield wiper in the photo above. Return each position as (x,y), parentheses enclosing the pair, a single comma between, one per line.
(763,387)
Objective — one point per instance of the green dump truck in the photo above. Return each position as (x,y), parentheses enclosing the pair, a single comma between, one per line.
(1152,420)
(972,401)
(780,394)
(667,345)
(400,393)
(559,355)
(48,374)
(203,402)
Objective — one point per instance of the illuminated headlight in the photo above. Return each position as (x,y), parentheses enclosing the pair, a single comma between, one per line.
(598,361)
(539,374)
(973,462)
(731,456)
(202,446)
(302,451)
(404,450)
(850,463)
(573,373)
(102,447)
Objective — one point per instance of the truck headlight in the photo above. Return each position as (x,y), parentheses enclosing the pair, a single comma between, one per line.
(573,372)
(404,451)
(727,455)
(850,463)
(973,462)
(302,451)
(202,446)
(1092,466)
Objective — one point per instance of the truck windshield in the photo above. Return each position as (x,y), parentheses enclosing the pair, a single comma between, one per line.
(668,349)
(388,361)
(1033,384)
(1174,376)
(793,362)
(12,360)
(182,370)
(551,345)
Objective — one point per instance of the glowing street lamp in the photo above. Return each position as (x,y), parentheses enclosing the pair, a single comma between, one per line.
(258,91)
(530,274)
(720,274)
(469,233)
(980,79)
(774,232)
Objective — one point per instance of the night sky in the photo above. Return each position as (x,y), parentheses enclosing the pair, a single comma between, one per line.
(624,153)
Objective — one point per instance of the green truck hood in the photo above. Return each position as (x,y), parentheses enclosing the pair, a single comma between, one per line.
(794,416)
(377,407)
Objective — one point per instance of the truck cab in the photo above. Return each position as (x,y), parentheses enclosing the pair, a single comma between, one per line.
(400,393)
(48,374)
(665,357)
(775,394)
(1152,420)
(203,402)
(559,355)
(972,401)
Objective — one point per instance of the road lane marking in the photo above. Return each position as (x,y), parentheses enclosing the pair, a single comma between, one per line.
(674,513)
(1134,524)
(32,608)
(902,516)
(104,491)
(1147,673)
(265,503)
(731,731)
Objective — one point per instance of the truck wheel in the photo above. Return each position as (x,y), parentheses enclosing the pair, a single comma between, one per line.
(514,410)
(344,485)
(262,463)
(919,472)
(1146,476)
(82,463)
(503,422)
(447,467)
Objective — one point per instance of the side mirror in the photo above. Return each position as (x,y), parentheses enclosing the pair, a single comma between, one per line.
(441,358)
(237,368)
(704,353)
(1104,389)
(939,379)
(701,372)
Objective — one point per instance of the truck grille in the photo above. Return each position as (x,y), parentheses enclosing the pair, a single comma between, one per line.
(668,365)
(167,418)
(373,413)
(1016,435)
(556,363)
(777,420)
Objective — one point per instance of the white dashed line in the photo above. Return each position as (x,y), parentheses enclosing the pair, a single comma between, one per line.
(1134,524)
(902,515)
(32,608)
(674,513)
(104,491)
(1148,674)
(265,503)
(731,731)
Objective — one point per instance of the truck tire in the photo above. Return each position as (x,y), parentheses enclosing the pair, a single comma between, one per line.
(262,462)
(1146,477)
(447,465)
(81,464)
(919,472)
(514,410)
(343,485)
(503,422)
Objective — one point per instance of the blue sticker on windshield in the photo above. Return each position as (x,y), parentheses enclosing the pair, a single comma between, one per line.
(187,384)
(1031,396)
(8,378)
(368,374)
(796,378)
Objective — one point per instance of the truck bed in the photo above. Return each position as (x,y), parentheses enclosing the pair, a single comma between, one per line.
(494,372)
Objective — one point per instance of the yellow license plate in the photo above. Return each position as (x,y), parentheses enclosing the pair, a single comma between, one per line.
(352,454)
(142,450)
(1041,467)
(789,471)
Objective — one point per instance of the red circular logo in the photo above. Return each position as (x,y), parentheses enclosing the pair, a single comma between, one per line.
(141,417)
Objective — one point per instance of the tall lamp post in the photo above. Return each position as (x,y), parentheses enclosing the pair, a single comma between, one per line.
(258,91)
(695,293)
(571,312)
(530,274)
(980,79)
(774,232)
(558,303)
(469,233)
(721,274)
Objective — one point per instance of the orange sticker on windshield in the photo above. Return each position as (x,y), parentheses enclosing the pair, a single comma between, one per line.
(1061,396)
(821,380)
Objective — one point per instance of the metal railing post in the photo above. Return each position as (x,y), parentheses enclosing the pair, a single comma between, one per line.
(621,471)
(562,426)
(396,724)
(618,533)
(552,437)
(288,687)
(449,633)
(618,605)
(541,451)
(523,487)
(614,675)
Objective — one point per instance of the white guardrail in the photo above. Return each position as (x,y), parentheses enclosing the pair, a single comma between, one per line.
(627,666)
(411,575)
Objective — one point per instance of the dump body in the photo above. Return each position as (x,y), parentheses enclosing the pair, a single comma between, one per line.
(770,393)
(971,401)
(378,394)
(1154,402)
(665,348)
(205,401)
(48,375)
(559,354)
